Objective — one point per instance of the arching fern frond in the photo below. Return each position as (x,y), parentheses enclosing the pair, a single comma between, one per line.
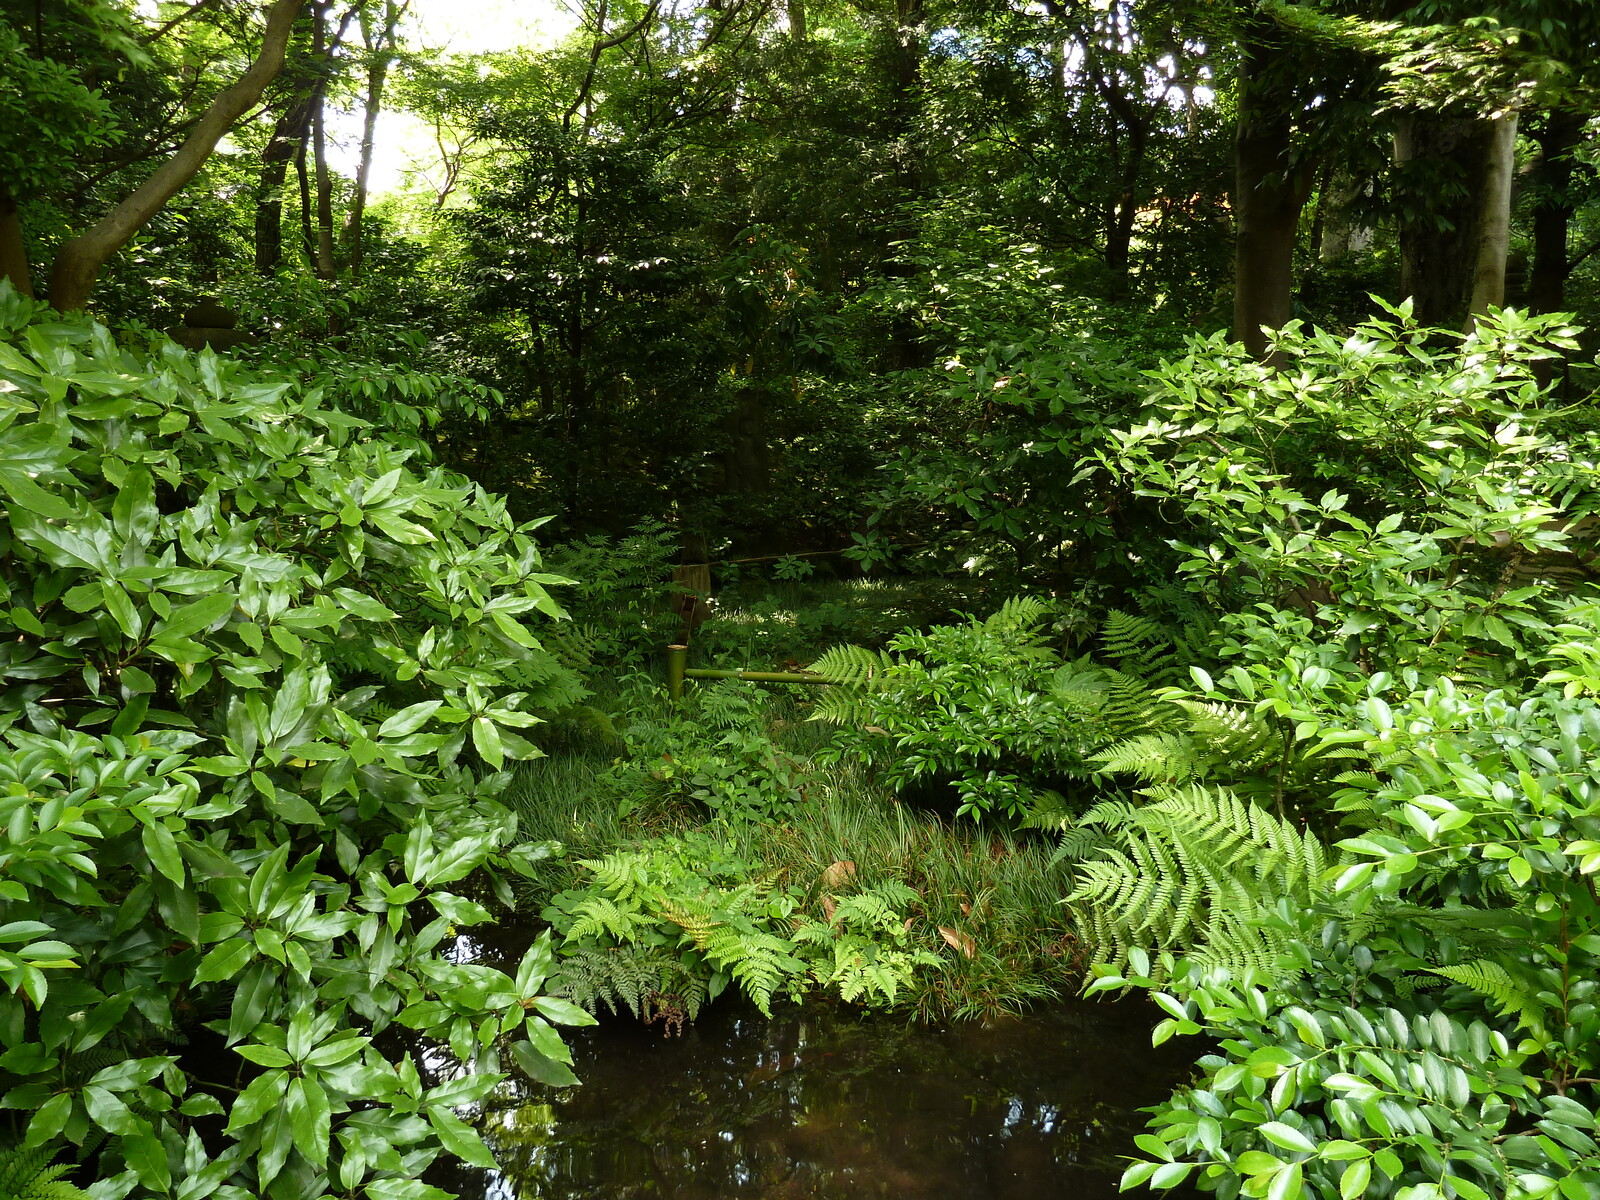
(28,1174)
(853,666)
(1020,614)
(1153,758)
(1510,995)
(1196,870)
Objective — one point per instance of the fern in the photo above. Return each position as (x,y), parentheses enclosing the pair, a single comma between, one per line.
(1197,870)
(1153,757)
(853,666)
(1232,744)
(1139,646)
(1020,614)
(1509,995)
(652,983)
(863,970)
(602,917)
(874,909)
(576,646)
(29,1174)
(761,962)
(626,875)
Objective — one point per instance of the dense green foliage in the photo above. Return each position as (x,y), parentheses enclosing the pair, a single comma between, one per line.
(1439,644)
(238,783)
(1211,378)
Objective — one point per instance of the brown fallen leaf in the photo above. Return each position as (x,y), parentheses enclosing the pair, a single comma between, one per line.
(958,940)
(838,874)
(828,906)
(966,909)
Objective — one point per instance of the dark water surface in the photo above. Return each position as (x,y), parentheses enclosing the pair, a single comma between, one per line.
(826,1105)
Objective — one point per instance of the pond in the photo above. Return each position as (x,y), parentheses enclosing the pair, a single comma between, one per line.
(820,1104)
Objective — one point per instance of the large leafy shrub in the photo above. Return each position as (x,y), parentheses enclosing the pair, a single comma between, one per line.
(1408,669)
(1424,1022)
(263,670)
(1402,496)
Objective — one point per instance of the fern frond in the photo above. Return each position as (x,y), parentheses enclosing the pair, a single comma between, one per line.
(1509,995)
(1020,614)
(637,978)
(853,666)
(28,1174)
(842,706)
(600,916)
(1197,869)
(1153,757)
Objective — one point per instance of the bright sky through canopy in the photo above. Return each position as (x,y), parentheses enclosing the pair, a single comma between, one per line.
(451,27)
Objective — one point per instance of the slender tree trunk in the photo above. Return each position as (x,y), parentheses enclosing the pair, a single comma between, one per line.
(1558,138)
(899,130)
(797,20)
(1339,234)
(1494,219)
(377,75)
(323,263)
(79,261)
(1269,192)
(1442,160)
(13,251)
(355,248)
(302,168)
(1125,210)
(748,461)
(287,137)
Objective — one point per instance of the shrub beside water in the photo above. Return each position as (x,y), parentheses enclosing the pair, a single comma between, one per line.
(264,671)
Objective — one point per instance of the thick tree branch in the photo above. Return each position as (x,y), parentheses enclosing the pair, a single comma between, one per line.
(79,261)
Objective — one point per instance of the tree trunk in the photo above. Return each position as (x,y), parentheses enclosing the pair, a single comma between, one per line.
(797,20)
(13,252)
(1558,138)
(1119,235)
(903,69)
(323,261)
(747,464)
(287,137)
(79,261)
(1442,160)
(1269,192)
(1340,235)
(302,160)
(377,74)
(1493,240)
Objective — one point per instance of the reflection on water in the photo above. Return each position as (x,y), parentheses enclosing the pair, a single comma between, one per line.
(823,1105)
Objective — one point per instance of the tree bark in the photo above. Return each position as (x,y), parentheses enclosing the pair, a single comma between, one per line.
(287,137)
(1558,138)
(1269,192)
(302,168)
(79,261)
(323,261)
(13,252)
(1494,219)
(1340,235)
(1125,210)
(1442,159)
(797,20)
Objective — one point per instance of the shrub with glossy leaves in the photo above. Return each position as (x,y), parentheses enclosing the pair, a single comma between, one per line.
(263,669)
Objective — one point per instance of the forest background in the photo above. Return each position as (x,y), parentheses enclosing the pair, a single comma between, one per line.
(1210,379)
